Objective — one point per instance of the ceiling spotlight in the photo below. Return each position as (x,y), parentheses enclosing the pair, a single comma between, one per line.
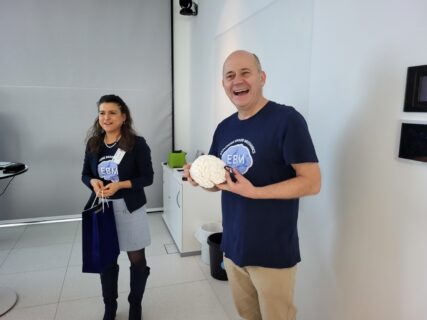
(188,8)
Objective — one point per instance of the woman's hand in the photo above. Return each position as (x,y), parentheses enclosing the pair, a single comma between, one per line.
(110,189)
(97,186)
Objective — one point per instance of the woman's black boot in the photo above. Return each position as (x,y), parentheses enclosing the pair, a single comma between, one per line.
(138,280)
(109,279)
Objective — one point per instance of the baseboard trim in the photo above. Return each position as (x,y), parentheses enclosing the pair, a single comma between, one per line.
(54,219)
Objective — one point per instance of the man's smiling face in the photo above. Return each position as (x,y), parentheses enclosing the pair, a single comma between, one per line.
(243,80)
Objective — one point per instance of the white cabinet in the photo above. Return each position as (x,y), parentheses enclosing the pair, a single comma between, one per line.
(186,208)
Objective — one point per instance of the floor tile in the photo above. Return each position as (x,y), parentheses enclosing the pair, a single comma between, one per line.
(48,234)
(78,235)
(173,269)
(78,285)
(44,312)
(159,235)
(82,309)
(36,258)
(156,222)
(76,254)
(223,293)
(157,246)
(9,236)
(188,301)
(171,248)
(203,266)
(35,288)
(3,255)
(43,264)
(220,288)
(158,227)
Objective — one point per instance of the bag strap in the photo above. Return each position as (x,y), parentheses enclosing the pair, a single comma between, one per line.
(103,200)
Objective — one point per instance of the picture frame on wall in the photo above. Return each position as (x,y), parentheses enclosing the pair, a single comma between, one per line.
(416,89)
(413,141)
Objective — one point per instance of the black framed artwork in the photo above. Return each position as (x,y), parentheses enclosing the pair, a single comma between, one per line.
(416,89)
(413,142)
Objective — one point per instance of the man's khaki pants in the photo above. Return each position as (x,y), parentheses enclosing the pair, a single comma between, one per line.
(262,293)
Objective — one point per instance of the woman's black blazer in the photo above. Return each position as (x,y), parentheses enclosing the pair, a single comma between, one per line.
(135,166)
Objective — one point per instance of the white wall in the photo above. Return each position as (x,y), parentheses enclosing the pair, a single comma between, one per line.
(374,202)
(343,65)
(220,28)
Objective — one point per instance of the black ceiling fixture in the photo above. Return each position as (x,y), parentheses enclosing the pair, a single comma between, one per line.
(188,8)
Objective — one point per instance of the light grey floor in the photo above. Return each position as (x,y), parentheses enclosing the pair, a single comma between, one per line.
(42,263)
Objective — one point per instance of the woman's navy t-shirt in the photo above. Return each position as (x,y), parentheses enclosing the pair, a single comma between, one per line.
(108,170)
(263,147)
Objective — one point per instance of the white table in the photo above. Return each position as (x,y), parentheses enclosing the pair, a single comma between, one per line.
(8,297)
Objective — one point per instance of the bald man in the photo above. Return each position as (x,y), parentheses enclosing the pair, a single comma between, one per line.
(273,163)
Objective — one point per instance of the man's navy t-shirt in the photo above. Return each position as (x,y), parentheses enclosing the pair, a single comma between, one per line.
(262,147)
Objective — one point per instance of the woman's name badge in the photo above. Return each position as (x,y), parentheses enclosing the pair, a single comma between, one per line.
(118,156)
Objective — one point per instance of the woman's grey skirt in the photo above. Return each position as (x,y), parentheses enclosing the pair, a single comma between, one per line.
(132,228)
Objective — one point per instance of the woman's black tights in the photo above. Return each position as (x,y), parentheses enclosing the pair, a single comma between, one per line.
(137,259)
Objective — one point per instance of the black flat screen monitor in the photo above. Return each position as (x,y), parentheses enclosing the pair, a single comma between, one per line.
(416,89)
(413,142)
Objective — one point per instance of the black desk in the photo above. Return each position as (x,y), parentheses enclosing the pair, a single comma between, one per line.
(8,297)
(10,175)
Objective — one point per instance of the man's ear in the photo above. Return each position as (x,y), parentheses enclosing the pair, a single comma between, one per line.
(263,77)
